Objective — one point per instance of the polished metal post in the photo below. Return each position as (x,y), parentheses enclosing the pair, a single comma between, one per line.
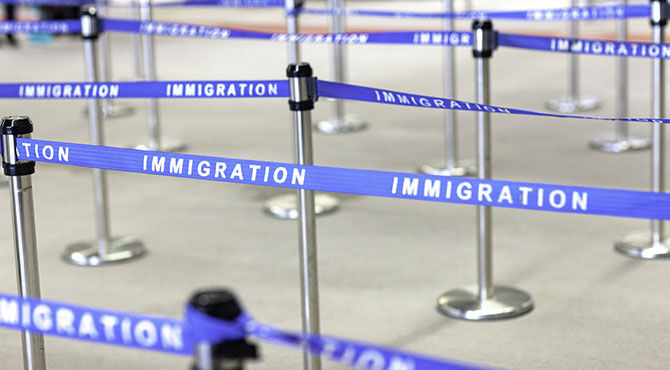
(487,301)
(229,354)
(654,244)
(622,141)
(155,141)
(135,53)
(23,225)
(574,102)
(104,249)
(451,166)
(302,96)
(341,122)
(286,206)
(110,107)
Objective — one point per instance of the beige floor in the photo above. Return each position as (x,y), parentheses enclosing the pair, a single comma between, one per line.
(382,262)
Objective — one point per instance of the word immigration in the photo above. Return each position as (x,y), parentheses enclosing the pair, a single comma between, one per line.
(79,90)
(621,49)
(93,325)
(200,90)
(532,197)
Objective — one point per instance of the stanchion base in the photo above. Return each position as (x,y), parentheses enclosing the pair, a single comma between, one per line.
(441,170)
(610,145)
(350,123)
(166,145)
(641,246)
(286,206)
(119,250)
(571,105)
(115,110)
(465,304)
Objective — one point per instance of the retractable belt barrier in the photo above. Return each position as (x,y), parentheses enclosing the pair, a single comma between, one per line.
(559,14)
(178,337)
(262,89)
(418,37)
(507,194)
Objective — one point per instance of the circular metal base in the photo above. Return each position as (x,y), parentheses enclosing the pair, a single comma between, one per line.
(641,246)
(350,123)
(610,145)
(114,110)
(166,145)
(441,170)
(571,105)
(286,206)
(118,250)
(465,304)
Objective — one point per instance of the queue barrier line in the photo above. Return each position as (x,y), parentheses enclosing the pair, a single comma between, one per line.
(178,337)
(534,15)
(417,37)
(602,12)
(263,89)
(495,193)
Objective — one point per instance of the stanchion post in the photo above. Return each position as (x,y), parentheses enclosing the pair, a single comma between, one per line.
(23,225)
(451,166)
(155,140)
(574,102)
(654,244)
(135,53)
(301,102)
(341,122)
(622,141)
(229,354)
(110,107)
(487,302)
(286,206)
(104,249)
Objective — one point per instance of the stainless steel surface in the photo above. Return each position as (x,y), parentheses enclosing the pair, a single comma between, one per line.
(155,141)
(504,303)
(135,52)
(25,245)
(286,206)
(110,107)
(103,249)
(574,102)
(486,301)
(116,250)
(655,244)
(622,140)
(484,227)
(341,122)
(203,356)
(292,28)
(451,166)
(309,285)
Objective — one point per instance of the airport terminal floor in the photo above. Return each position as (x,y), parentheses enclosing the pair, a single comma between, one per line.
(382,262)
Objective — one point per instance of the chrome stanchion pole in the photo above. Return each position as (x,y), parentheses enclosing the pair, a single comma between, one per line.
(104,249)
(341,122)
(654,244)
(155,141)
(23,224)
(229,354)
(302,96)
(574,102)
(110,107)
(451,166)
(286,206)
(486,302)
(135,53)
(622,141)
